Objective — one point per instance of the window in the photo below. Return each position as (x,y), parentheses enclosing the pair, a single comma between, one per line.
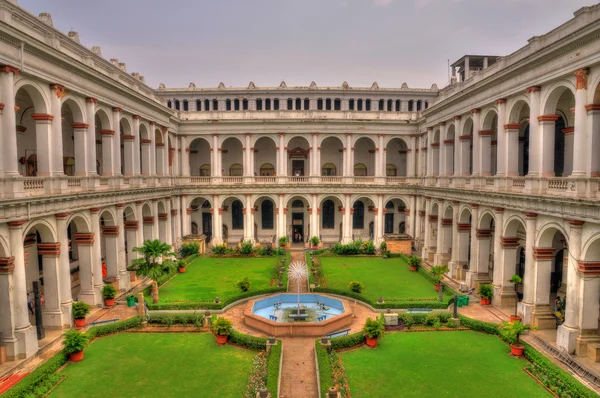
(245,104)
(237,215)
(328,104)
(359,105)
(215,106)
(228,104)
(169,105)
(236,104)
(410,105)
(259,104)
(268,104)
(397,105)
(358,218)
(298,104)
(306,104)
(206,105)
(266,211)
(198,105)
(320,104)
(267,169)
(328,214)
(276,104)
(389,218)
(328,169)
(337,104)
(177,104)
(418,105)
(297,204)
(390,106)
(426,105)
(205,170)
(186,106)
(351,104)
(381,105)
(368,105)
(236,170)
(290,104)
(390,170)
(360,170)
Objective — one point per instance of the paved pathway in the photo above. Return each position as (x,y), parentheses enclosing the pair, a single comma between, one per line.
(298,371)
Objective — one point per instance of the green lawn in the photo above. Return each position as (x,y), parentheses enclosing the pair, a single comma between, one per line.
(207,278)
(158,365)
(389,278)
(438,364)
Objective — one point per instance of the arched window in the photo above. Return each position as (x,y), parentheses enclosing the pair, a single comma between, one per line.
(358,218)
(389,218)
(397,105)
(391,170)
(381,105)
(186,106)
(206,204)
(267,169)
(177,104)
(266,211)
(169,105)
(328,214)
(198,105)
(205,170)
(410,105)
(236,170)
(297,203)
(360,170)
(389,105)
(237,215)
(328,169)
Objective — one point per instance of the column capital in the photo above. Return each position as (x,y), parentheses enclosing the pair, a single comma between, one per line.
(79,126)
(457,117)
(474,205)
(543,253)
(91,100)
(17,223)
(314,133)
(533,89)
(95,209)
(530,215)
(348,134)
(574,223)
(110,230)
(587,267)
(429,129)
(42,117)
(120,205)
(592,107)
(128,138)
(442,124)
(498,209)
(137,117)
(62,216)
(117,109)
(9,69)
(509,242)
(107,132)
(475,110)
(59,90)
(486,132)
(501,101)
(50,249)
(149,220)
(247,134)
(581,76)
(132,225)
(85,238)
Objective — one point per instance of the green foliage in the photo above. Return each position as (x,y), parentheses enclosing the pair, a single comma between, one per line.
(247,248)
(149,265)
(265,251)
(243,285)
(451,323)
(438,272)
(512,331)
(355,286)
(115,327)
(314,241)
(222,326)
(433,279)
(383,247)
(195,319)
(325,372)
(408,322)
(187,249)
(109,291)
(354,247)
(430,319)
(283,241)
(436,324)
(75,341)
(211,305)
(273,375)
(219,250)
(373,328)
(348,341)
(244,340)
(486,291)
(39,378)
(414,261)
(515,279)
(80,309)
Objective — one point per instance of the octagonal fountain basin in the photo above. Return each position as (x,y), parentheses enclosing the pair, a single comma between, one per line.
(278,315)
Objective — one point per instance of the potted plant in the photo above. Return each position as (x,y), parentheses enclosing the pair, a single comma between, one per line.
(383,249)
(109,292)
(414,262)
(516,279)
(74,343)
(513,333)
(80,310)
(181,266)
(372,330)
(314,241)
(438,272)
(486,291)
(283,241)
(222,328)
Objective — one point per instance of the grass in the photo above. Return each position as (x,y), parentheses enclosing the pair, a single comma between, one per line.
(158,365)
(206,278)
(438,364)
(388,278)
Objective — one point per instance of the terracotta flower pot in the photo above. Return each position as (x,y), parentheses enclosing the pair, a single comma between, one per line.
(181,270)
(413,268)
(109,302)
(517,350)
(437,287)
(76,356)
(485,301)
(315,247)
(221,339)
(79,322)
(514,318)
(371,342)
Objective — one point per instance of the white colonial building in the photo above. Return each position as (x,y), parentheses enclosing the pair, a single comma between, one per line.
(496,174)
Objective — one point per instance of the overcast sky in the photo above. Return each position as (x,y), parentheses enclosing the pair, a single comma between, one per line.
(361,41)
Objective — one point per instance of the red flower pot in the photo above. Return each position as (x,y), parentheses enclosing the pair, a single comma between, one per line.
(485,301)
(109,302)
(181,270)
(414,269)
(76,356)
(221,339)
(437,287)
(514,318)
(371,342)
(315,247)
(79,322)
(517,350)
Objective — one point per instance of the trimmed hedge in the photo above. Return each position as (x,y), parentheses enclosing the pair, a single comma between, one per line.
(203,305)
(182,319)
(251,342)
(427,275)
(348,341)
(273,375)
(115,327)
(389,304)
(325,373)
(38,382)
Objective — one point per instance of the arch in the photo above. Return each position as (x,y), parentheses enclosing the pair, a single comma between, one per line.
(4,248)
(237,215)
(46,230)
(292,197)
(264,196)
(487,118)
(363,157)
(448,212)
(486,217)
(236,169)
(37,93)
(229,139)
(591,249)
(390,138)
(395,197)
(450,132)
(516,107)
(464,215)
(328,169)
(358,216)
(549,100)
(255,139)
(512,224)
(360,137)
(323,197)
(147,210)
(396,154)
(125,126)
(546,234)
(158,137)
(201,199)
(233,197)
(435,208)
(76,106)
(299,136)
(129,213)
(267,213)
(144,135)
(323,138)
(81,220)
(102,119)
(328,214)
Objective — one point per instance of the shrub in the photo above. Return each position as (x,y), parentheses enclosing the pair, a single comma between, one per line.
(247,248)
(351,340)
(451,323)
(353,248)
(273,374)
(80,309)
(486,291)
(109,291)
(244,340)
(187,249)
(438,272)
(373,328)
(383,247)
(219,250)
(115,327)
(243,285)
(430,319)
(368,247)
(436,323)
(196,319)
(75,341)
(38,378)
(414,261)
(265,251)
(355,286)
(283,241)
(314,241)
(408,322)
(222,327)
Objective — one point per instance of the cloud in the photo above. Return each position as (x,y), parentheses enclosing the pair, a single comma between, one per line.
(382,3)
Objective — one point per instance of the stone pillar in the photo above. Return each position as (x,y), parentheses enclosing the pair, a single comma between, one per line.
(379,232)
(442,151)
(153,221)
(131,233)
(534,131)
(85,241)
(129,155)
(429,149)
(477,153)
(380,160)
(52,314)
(146,156)
(56,145)
(485,140)
(508,296)
(186,223)
(247,226)
(511,155)
(281,214)
(185,157)
(168,223)
(314,212)
(541,316)
(465,144)
(64,270)
(107,152)
(8,144)
(529,277)
(217,222)
(501,152)
(567,333)
(116,121)
(427,242)
(43,142)
(90,110)
(7,308)
(96,255)
(454,257)
(413,215)
(547,125)
(25,334)
(580,138)
(589,292)
(435,158)
(499,276)
(347,221)
(568,159)
(472,275)
(593,140)
(136,146)
(449,157)
(152,157)
(458,145)
(349,152)
(439,252)
(281,156)
(175,221)
(315,161)
(82,148)
(216,157)
(160,154)
(122,273)
(248,152)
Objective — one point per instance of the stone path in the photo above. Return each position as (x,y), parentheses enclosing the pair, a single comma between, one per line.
(298,371)
(297,255)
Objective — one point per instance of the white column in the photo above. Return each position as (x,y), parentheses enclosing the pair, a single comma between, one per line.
(476,142)
(547,126)
(485,150)
(116,120)
(427,237)
(281,215)
(580,149)
(155,229)
(314,216)
(534,132)
(122,273)
(247,154)
(246,213)
(96,255)
(442,171)
(511,154)
(64,270)
(474,260)
(168,223)
(8,144)
(349,154)
(129,155)
(90,109)
(52,313)
(430,156)
(217,222)
(81,148)
(458,154)
(108,137)
(454,256)
(347,220)
(413,156)
(281,166)
(593,140)
(136,145)
(529,277)
(185,157)
(56,144)
(379,232)
(146,158)
(43,142)
(501,140)
(7,307)
(499,275)
(316,159)
(216,158)
(152,157)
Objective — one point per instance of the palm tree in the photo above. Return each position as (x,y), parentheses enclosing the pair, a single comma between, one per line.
(156,261)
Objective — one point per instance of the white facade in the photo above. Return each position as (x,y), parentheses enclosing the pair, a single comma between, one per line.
(494,175)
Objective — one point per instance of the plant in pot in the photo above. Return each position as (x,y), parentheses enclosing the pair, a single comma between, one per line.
(314,241)
(74,343)
(486,291)
(438,272)
(181,264)
(414,262)
(109,292)
(283,241)
(156,261)
(516,279)
(513,331)
(222,329)
(372,330)
(80,310)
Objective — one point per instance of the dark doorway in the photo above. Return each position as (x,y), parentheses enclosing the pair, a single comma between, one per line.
(389,223)
(207,225)
(298,168)
(556,276)
(298,228)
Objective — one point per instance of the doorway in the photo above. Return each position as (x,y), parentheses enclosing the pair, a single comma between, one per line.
(297,227)
(389,223)
(207,225)
(298,168)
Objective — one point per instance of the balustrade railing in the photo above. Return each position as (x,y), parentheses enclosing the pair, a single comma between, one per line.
(265,180)
(558,184)
(331,180)
(200,180)
(395,180)
(233,180)
(298,180)
(364,180)
(33,184)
